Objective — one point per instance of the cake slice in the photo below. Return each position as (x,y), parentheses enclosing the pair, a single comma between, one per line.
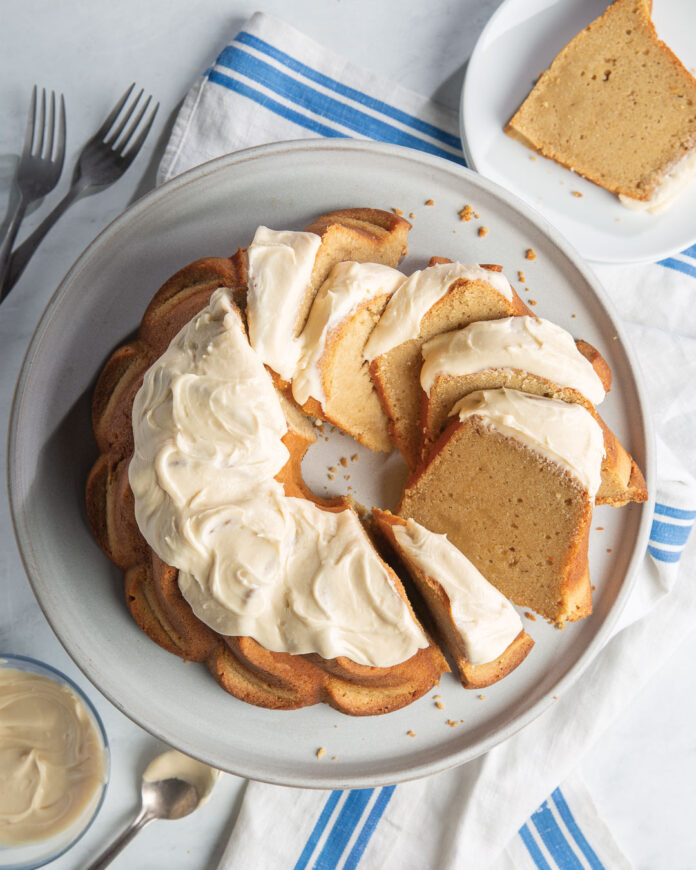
(287,268)
(618,107)
(478,626)
(332,380)
(511,482)
(443,297)
(535,356)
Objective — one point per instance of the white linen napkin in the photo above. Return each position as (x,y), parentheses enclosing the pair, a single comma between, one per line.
(505,809)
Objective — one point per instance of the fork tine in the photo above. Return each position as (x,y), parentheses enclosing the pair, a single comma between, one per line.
(42,125)
(60,148)
(134,126)
(51,125)
(137,145)
(111,141)
(31,121)
(104,129)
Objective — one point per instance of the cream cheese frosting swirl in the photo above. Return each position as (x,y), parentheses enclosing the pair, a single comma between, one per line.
(565,433)
(416,296)
(527,344)
(207,427)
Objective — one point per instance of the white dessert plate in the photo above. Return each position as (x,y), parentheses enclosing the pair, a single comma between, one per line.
(520,41)
(210,211)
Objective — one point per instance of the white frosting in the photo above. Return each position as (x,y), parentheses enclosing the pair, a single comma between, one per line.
(280,272)
(670,188)
(403,315)
(518,343)
(486,620)
(207,426)
(565,433)
(347,286)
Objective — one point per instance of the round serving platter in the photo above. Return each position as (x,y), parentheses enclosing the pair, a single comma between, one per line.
(210,211)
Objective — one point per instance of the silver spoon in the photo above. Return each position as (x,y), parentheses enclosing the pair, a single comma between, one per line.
(170,798)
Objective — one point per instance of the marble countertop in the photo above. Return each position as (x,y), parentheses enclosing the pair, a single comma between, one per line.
(641,771)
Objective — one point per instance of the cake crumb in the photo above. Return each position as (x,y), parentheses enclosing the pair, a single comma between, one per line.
(321,751)
(559,626)
(520,276)
(344,461)
(411,733)
(555,697)
(576,193)
(346,476)
(573,316)
(483,231)
(436,697)
(482,697)
(439,705)
(331,476)
(354,457)
(452,723)
(333,469)
(530,615)
(608,549)
(600,528)
(430,202)
(335,726)
(530,254)
(412,215)
(532,301)
(532,158)
(466,213)
(397,211)
(334,758)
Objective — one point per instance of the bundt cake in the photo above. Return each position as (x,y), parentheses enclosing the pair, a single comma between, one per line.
(217,451)
(535,356)
(230,559)
(443,297)
(618,107)
(511,482)
(477,625)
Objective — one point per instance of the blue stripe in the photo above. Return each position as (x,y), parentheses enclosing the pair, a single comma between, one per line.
(315,836)
(665,555)
(533,849)
(668,533)
(569,819)
(554,839)
(678,514)
(274,106)
(368,828)
(686,268)
(343,828)
(310,99)
(351,93)
(691,251)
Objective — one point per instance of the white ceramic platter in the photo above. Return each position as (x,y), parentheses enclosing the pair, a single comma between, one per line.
(520,41)
(210,211)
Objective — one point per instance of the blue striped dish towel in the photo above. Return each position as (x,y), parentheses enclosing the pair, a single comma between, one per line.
(522,805)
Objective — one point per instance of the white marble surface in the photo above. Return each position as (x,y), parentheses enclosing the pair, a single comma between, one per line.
(642,771)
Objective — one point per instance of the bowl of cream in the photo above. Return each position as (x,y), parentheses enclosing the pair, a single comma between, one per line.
(54,763)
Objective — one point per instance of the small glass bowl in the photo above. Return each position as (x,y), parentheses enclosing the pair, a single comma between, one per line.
(31,855)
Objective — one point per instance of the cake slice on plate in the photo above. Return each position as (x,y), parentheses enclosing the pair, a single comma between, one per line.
(478,626)
(511,482)
(618,107)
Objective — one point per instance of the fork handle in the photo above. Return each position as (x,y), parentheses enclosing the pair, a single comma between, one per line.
(22,254)
(10,234)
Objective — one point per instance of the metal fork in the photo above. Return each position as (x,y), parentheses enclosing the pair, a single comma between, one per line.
(39,167)
(103,160)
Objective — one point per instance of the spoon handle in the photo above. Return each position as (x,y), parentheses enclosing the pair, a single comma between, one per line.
(112,850)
